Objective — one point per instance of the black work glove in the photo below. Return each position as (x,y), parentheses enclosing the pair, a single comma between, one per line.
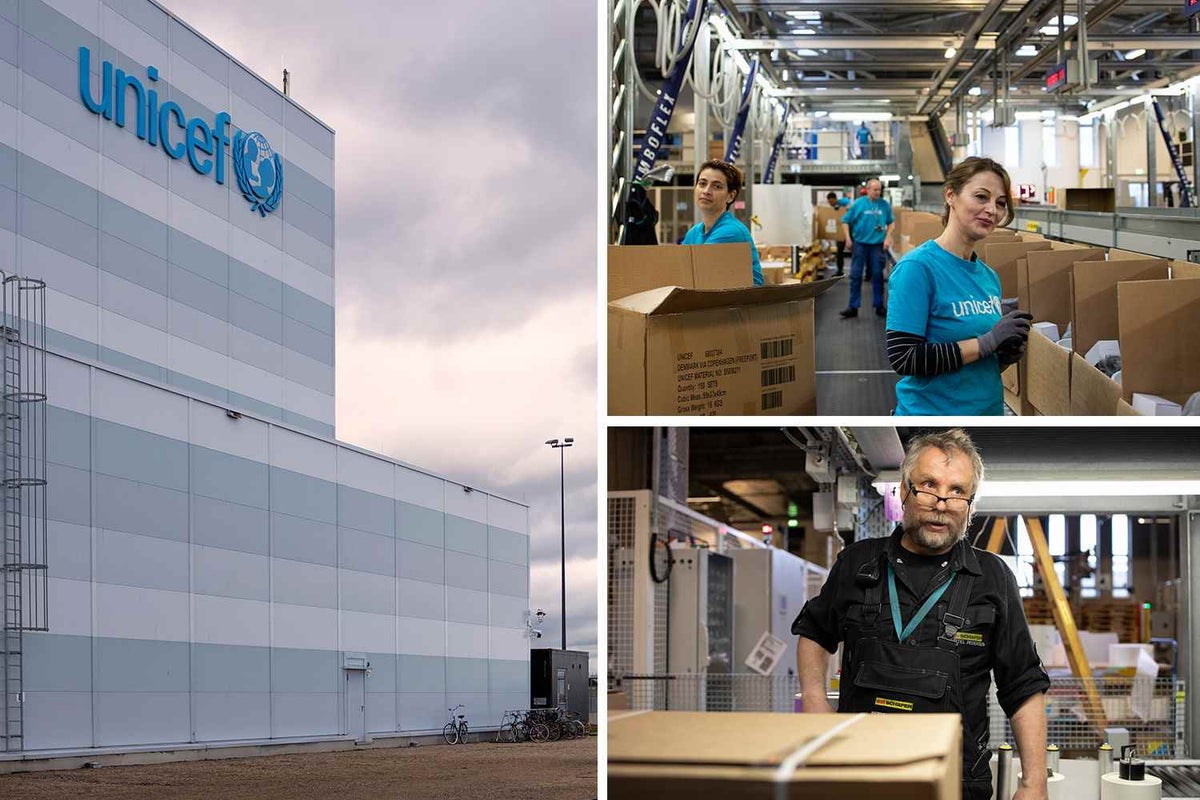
(1011,350)
(1014,323)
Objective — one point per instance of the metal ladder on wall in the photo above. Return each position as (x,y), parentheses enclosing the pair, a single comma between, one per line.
(1185,185)
(23,567)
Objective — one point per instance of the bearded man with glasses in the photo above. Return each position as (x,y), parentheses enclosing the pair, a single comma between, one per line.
(926,620)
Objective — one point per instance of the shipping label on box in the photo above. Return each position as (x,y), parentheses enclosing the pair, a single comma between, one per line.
(1094,296)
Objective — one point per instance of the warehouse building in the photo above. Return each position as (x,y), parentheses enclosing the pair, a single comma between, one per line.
(1090,107)
(213,565)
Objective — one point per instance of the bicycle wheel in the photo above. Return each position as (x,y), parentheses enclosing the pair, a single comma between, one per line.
(520,732)
(539,732)
(555,731)
(577,729)
(462,732)
(450,733)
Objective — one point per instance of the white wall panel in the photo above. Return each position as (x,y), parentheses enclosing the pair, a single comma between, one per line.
(57,150)
(508,515)
(198,362)
(8,124)
(420,489)
(132,41)
(364,472)
(249,118)
(308,402)
(466,504)
(309,280)
(72,316)
(226,620)
(212,428)
(304,627)
(132,338)
(507,612)
(303,454)
(196,83)
(420,599)
(70,606)
(230,573)
(85,13)
(315,253)
(251,250)
(466,641)
(366,591)
(508,643)
(128,299)
(67,274)
(199,223)
(421,637)
(70,384)
(139,405)
(309,159)
(254,382)
(126,612)
(316,583)
(131,188)
(374,633)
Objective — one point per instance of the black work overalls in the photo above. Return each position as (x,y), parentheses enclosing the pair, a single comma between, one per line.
(879,675)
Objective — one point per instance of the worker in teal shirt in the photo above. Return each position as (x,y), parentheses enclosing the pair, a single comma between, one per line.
(718,184)
(868,227)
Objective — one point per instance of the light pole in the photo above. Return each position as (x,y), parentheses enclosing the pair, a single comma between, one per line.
(560,447)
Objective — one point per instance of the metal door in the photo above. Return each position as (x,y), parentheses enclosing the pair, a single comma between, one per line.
(356,704)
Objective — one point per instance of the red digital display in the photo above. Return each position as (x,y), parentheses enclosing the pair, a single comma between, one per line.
(1058,76)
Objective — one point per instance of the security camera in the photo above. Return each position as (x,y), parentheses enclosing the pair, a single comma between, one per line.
(537,634)
(541,614)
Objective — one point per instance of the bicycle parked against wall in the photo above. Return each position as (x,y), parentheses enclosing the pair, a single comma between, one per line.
(513,727)
(455,731)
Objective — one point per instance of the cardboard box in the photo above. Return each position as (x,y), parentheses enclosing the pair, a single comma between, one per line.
(829,223)
(1047,377)
(1151,405)
(1092,392)
(1099,199)
(1126,410)
(774,276)
(1159,329)
(1184,269)
(705,266)
(1044,283)
(673,755)
(618,700)
(732,351)
(1094,297)
(1002,257)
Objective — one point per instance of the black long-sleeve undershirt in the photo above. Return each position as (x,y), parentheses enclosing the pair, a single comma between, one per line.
(910,354)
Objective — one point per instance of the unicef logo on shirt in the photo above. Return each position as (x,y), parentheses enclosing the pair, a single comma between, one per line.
(259,171)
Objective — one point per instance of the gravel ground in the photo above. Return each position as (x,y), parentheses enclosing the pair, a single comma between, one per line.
(563,770)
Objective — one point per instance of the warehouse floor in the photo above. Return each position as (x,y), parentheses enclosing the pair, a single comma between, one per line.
(853,376)
(563,770)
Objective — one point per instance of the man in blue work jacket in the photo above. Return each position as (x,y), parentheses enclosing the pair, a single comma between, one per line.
(868,225)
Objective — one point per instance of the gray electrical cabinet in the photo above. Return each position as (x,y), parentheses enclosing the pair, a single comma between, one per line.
(559,678)
(701,634)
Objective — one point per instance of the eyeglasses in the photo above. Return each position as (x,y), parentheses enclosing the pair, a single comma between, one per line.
(930,500)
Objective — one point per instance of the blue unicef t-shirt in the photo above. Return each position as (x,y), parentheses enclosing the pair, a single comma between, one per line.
(868,220)
(943,298)
(727,229)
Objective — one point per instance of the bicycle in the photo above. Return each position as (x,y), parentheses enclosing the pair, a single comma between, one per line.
(455,731)
(512,727)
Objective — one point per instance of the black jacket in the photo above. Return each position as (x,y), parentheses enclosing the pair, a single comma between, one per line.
(1007,650)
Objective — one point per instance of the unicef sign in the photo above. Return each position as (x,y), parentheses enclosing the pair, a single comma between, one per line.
(258,168)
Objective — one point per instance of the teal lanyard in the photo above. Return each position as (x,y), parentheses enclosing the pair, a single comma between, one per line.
(922,612)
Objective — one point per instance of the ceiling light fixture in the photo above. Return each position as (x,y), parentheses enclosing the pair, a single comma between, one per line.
(1132,54)
(1026,50)
(974,91)
(950,51)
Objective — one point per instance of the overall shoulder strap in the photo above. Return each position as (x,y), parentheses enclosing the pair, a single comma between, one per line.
(870,577)
(955,617)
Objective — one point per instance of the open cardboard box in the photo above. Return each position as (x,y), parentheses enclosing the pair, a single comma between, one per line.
(1094,297)
(1047,377)
(682,755)
(1002,257)
(710,266)
(1159,330)
(827,223)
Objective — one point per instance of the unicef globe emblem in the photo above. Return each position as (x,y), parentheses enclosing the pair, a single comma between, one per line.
(259,171)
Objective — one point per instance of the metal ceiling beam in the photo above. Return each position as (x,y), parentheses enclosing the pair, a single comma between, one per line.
(1094,17)
(861,23)
(883,41)
(969,40)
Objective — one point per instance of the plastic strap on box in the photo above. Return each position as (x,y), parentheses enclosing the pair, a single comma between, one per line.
(783,775)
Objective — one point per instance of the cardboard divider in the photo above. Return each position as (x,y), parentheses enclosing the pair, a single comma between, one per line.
(1002,257)
(1092,392)
(1047,378)
(1044,282)
(1184,269)
(1094,296)
(1159,326)
(709,266)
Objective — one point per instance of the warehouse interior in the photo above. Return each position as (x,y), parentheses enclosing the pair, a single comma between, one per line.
(1090,105)
(1118,509)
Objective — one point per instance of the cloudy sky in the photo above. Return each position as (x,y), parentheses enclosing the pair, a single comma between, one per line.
(466,242)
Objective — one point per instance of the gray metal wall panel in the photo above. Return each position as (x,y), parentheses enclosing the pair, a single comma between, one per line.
(69,551)
(308,129)
(8,210)
(304,217)
(235,526)
(381,711)
(133,263)
(225,477)
(383,673)
(138,665)
(256,318)
(251,283)
(265,229)
(308,372)
(68,437)
(420,599)
(47,106)
(255,350)
(303,495)
(420,673)
(305,714)
(197,387)
(51,188)
(138,717)
(229,573)
(466,536)
(204,295)
(420,562)
(132,301)
(365,552)
(71,500)
(197,327)
(222,716)
(467,605)
(130,559)
(508,677)
(466,571)
(312,191)
(466,675)
(134,154)
(54,29)
(300,248)
(147,16)
(365,511)
(200,53)
(421,710)
(305,671)
(309,310)
(125,452)
(62,663)
(308,424)
(55,229)
(133,226)
(230,668)
(509,579)
(57,719)
(197,257)
(60,271)
(134,507)
(420,524)
(376,596)
(137,366)
(201,190)
(264,410)
(260,95)
(302,539)
(304,584)
(308,341)
(9,36)
(8,163)
(508,546)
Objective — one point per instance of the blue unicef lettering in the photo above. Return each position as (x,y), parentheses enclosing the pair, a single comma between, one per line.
(259,171)
(167,125)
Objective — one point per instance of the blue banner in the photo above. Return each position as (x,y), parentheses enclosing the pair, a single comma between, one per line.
(656,130)
(734,148)
(769,172)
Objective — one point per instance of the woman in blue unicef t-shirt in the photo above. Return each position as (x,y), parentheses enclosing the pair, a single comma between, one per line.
(946,335)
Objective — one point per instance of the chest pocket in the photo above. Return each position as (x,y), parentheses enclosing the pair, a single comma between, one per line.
(976,633)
